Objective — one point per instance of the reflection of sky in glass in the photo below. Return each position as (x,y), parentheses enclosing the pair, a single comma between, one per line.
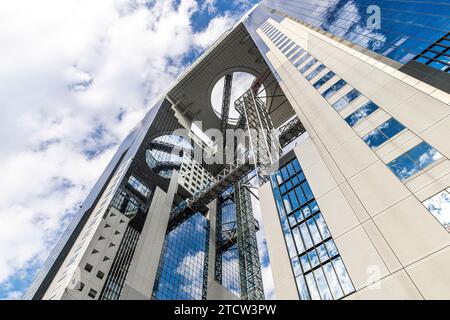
(407,27)
(230,276)
(346,100)
(414,160)
(230,271)
(383,133)
(439,207)
(183,265)
(334,88)
(363,112)
(155,157)
(316,265)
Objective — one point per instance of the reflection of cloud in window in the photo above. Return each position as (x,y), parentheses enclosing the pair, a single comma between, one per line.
(230,274)
(349,24)
(439,207)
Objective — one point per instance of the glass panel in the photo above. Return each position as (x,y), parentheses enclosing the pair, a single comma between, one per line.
(322,283)
(296,266)
(323,254)
(312,286)
(287,203)
(294,201)
(290,245)
(314,232)
(298,215)
(361,113)
(324,79)
(306,211)
(292,220)
(284,173)
(315,72)
(308,65)
(331,247)
(290,169)
(284,225)
(424,154)
(298,240)
(306,236)
(313,258)
(439,207)
(322,226)
(414,160)
(288,184)
(333,281)
(307,191)
(391,127)
(296,165)
(346,100)
(343,277)
(383,133)
(300,195)
(403,167)
(314,207)
(305,263)
(302,59)
(334,88)
(302,289)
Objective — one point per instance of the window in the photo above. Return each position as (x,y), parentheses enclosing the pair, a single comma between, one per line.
(383,133)
(346,100)
(88,267)
(100,275)
(363,112)
(80,286)
(325,78)
(295,48)
(138,186)
(334,88)
(316,264)
(302,59)
(308,65)
(92,293)
(295,56)
(439,207)
(285,49)
(414,160)
(315,72)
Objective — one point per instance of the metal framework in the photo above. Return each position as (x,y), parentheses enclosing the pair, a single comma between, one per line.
(263,139)
(226,100)
(249,265)
(438,52)
(290,131)
(263,150)
(240,235)
(231,174)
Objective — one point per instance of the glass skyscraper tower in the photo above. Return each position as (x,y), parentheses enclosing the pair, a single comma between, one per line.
(340,139)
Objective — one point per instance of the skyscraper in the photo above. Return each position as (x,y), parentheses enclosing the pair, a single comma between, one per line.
(341,137)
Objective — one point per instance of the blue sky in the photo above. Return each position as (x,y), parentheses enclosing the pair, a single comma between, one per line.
(76,76)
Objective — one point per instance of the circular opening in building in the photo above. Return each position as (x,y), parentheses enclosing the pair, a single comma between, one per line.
(166,153)
(242,81)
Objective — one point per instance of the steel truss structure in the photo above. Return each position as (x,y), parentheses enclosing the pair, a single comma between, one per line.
(264,149)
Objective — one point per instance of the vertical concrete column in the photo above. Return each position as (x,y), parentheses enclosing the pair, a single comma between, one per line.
(142,273)
(283,278)
(212,217)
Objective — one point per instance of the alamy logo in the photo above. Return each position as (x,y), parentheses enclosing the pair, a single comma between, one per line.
(374,18)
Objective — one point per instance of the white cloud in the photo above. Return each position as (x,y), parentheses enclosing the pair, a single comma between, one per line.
(76,76)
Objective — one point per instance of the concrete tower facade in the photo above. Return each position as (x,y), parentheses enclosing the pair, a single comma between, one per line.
(344,132)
